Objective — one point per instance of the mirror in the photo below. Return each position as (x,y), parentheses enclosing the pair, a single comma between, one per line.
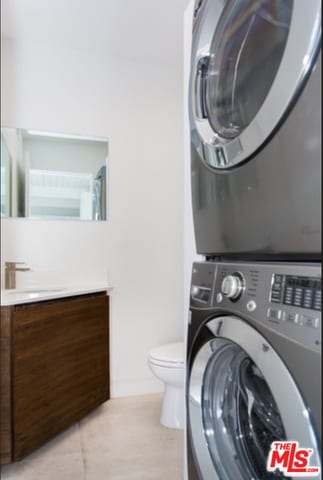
(49,175)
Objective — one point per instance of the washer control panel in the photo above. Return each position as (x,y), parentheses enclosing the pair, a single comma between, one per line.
(297,291)
(283,297)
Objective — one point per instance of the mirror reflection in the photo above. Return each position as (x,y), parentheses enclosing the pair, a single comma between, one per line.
(49,175)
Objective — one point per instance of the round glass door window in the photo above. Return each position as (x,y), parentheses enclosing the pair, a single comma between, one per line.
(251,59)
(241,399)
(240,415)
(245,54)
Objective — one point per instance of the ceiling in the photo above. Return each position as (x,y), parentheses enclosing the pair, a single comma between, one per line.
(145,30)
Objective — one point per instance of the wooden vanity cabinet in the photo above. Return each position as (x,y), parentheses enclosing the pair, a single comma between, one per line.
(54,368)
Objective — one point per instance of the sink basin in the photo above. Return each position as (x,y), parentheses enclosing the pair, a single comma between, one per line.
(37,290)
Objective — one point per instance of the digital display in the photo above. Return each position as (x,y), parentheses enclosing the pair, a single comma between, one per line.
(304,282)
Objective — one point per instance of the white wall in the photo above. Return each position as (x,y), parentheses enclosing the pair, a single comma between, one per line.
(189,240)
(69,156)
(139,108)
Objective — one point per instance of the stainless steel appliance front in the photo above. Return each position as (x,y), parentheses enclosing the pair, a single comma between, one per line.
(255,115)
(254,367)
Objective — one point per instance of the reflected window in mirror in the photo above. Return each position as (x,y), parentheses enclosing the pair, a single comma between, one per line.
(5,179)
(50,175)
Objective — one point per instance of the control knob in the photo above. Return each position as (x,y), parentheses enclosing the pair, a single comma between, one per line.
(232,286)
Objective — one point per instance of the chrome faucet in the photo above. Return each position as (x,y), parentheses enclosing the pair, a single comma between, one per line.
(10,273)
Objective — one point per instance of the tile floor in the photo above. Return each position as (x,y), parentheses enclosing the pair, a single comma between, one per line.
(121,440)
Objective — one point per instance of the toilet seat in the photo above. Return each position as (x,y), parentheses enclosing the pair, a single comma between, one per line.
(170,356)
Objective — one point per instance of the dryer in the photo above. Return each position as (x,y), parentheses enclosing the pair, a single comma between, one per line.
(253,367)
(255,119)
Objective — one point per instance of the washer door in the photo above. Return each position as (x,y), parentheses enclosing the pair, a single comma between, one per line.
(241,398)
(247,73)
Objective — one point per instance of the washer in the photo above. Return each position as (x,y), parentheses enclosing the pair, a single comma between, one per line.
(254,367)
(255,116)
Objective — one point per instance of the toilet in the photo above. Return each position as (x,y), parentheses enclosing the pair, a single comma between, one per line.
(167,364)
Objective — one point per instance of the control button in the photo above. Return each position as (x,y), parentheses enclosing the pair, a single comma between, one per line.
(289,294)
(275,300)
(290,317)
(307,305)
(275,297)
(251,305)
(307,321)
(308,293)
(308,298)
(317,300)
(219,297)
(274,315)
(275,294)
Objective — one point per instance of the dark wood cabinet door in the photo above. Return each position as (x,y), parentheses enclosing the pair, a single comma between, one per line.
(60,366)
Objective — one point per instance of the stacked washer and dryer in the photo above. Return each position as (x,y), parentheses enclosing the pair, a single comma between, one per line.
(254,335)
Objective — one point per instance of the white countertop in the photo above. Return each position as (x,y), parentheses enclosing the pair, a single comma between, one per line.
(42,293)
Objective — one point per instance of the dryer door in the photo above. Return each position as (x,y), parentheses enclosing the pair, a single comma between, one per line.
(241,398)
(247,72)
